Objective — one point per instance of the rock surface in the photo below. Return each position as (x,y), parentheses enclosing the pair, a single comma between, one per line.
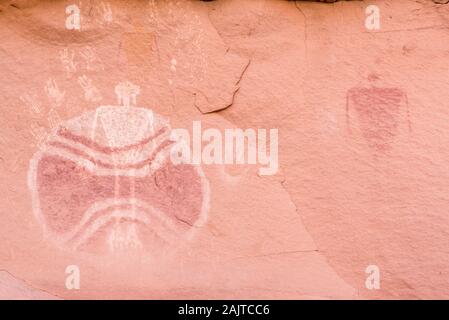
(362,119)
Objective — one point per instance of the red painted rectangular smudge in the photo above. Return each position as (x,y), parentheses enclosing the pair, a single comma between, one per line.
(378,113)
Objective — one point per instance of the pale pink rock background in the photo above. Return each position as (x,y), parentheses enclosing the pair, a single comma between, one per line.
(354,188)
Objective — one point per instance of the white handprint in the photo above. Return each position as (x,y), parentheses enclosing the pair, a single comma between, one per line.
(90,58)
(55,95)
(31,102)
(106,12)
(90,92)
(67,59)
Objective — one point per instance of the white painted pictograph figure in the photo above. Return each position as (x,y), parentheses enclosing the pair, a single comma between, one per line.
(126,93)
(188,40)
(90,58)
(55,95)
(67,57)
(91,93)
(103,182)
(32,102)
(106,12)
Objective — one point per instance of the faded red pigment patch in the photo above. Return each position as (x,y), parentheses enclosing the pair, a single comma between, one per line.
(378,113)
(67,191)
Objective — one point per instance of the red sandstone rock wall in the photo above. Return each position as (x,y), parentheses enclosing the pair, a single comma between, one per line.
(357,94)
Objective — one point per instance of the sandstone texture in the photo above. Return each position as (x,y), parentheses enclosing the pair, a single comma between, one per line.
(363,122)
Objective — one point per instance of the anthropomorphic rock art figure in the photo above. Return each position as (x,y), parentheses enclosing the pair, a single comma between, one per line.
(379,112)
(126,93)
(104,182)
